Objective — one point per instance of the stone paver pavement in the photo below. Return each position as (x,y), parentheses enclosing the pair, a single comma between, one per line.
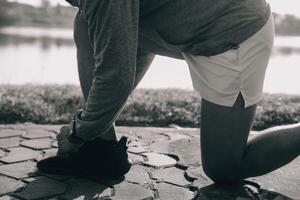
(9,142)
(6,133)
(18,170)
(166,166)
(2,153)
(19,154)
(38,144)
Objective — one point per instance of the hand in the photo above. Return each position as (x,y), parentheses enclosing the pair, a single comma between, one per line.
(65,147)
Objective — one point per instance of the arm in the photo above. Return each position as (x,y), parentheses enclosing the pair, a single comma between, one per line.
(113,28)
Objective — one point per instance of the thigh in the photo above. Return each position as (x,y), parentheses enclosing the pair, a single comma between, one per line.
(224,134)
(220,78)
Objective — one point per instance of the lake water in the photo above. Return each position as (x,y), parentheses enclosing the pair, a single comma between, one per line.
(42,56)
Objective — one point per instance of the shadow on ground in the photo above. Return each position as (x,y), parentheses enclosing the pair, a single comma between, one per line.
(66,188)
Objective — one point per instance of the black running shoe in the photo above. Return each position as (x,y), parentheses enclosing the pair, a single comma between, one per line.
(97,159)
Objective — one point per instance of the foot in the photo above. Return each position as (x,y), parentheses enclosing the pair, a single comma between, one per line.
(97,159)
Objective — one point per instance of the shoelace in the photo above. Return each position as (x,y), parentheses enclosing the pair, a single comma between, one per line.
(254,195)
(251,194)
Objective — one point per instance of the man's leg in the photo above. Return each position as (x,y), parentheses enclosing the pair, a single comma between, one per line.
(86,64)
(271,149)
(227,156)
(224,134)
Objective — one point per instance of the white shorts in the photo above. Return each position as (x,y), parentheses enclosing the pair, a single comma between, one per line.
(219,79)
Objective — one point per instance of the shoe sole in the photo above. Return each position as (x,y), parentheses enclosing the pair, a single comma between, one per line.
(82,174)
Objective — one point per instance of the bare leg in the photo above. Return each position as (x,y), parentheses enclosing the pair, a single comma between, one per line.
(86,64)
(227,156)
(271,149)
(224,134)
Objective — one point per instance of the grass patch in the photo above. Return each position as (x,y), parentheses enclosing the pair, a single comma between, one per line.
(55,104)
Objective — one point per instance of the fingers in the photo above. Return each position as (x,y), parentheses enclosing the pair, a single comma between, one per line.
(62,133)
(61,141)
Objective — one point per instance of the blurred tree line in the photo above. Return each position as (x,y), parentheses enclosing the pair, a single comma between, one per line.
(287,24)
(13,13)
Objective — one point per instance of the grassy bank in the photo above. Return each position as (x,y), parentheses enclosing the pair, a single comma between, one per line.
(55,104)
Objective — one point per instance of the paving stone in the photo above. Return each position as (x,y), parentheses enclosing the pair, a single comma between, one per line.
(285,180)
(50,153)
(196,172)
(81,189)
(9,142)
(138,150)
(34,134)
(145,134)
(135,159)
(193,172)
(18,170)
(2,153)
(105,194)
(38,144)
(138,174)
(159,160)
(28,126)
(8,185)
(54,144)
(8,198)
(136,143)
(28,180)
(173,135)
(191,132)
(5,133)
(161,147)
(201,179)
(171,175)
(172,192)
(188,151)
(19,154)
(42,187)
(131,191)
(200,183)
